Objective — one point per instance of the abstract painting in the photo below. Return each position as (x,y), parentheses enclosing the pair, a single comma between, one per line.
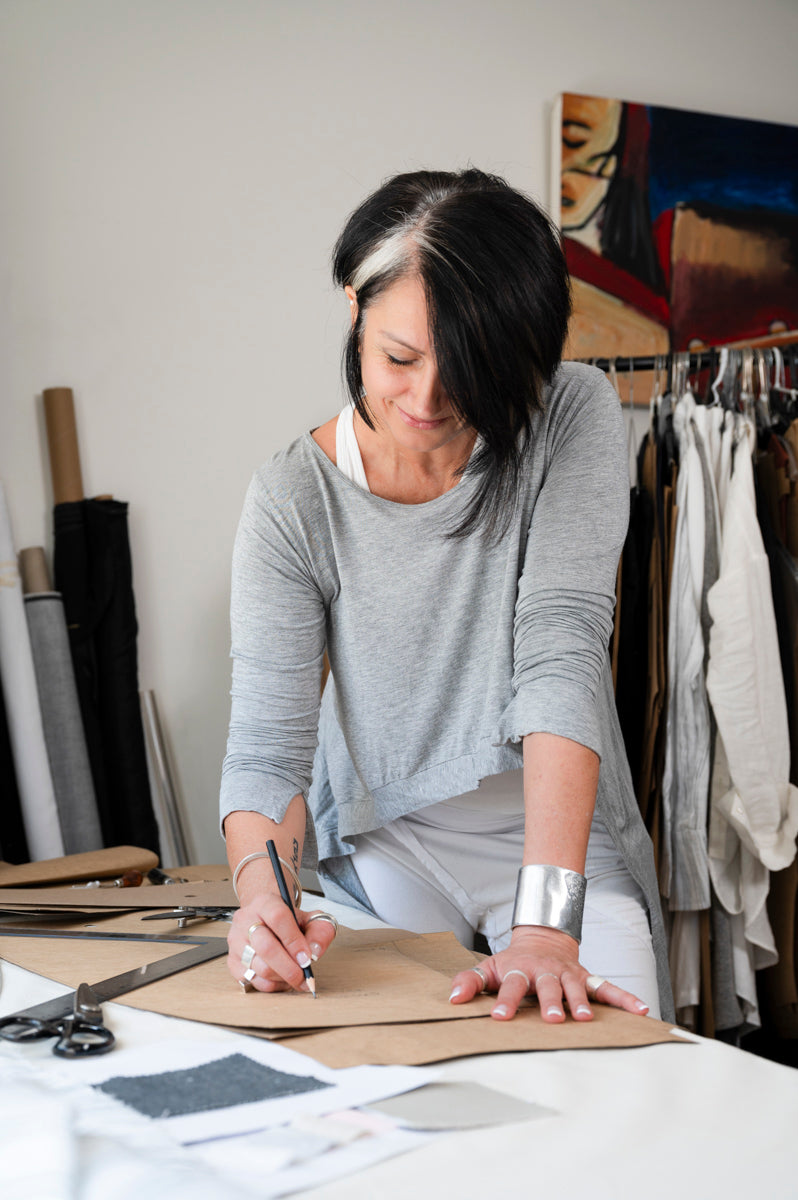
(680,228)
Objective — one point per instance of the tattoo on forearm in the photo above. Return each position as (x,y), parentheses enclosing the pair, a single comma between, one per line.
(295,855)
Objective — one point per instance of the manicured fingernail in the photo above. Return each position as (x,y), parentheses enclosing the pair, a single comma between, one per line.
(455,993)
(583,1010)
(553,1012)
(641,1007)
(303,959)
(501,1010)
(315,951)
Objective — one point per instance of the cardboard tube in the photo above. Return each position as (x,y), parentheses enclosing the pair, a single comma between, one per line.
(62,440)
(33,570)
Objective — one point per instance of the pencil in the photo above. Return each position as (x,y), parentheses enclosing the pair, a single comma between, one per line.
(278,874)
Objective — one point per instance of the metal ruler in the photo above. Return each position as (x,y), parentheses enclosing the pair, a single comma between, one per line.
(201,949)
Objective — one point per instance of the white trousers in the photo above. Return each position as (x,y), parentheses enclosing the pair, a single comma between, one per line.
(453,866)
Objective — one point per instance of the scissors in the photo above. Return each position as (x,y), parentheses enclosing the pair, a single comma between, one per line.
(77,1033)
(187,912)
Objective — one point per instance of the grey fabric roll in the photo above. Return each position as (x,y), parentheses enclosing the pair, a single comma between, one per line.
(37,796)
(63,724)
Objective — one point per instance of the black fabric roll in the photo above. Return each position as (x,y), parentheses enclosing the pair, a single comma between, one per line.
(13,843)
(94,575)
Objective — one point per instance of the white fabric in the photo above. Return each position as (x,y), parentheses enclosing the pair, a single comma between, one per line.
(347,452)
(685,785)
(754,822)
(745,681)
(23,711)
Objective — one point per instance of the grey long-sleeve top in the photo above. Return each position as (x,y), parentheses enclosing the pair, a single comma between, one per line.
(445,652)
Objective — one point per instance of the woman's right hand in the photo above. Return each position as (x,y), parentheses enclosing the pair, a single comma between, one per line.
(281,947)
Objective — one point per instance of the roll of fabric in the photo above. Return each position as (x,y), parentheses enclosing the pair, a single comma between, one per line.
(13,844)
(23,712)
(93,573)
(63,724)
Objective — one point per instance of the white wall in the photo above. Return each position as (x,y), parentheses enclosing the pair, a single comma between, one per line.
(174,173)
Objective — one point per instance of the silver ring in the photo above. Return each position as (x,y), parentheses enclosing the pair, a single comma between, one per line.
(543,975)
(523,974)
(323,916)
(592,984)
(483,977)
(255,925)
(246,983)
(247,955)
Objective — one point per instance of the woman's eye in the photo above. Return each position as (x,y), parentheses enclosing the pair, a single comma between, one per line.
(399,362)
(575,136)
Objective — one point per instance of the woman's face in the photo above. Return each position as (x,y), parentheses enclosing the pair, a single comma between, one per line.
(400,376)
(589,132)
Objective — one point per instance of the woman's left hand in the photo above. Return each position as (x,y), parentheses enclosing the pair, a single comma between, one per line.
(542,962)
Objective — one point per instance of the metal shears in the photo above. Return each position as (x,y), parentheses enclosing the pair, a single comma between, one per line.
(77,1033)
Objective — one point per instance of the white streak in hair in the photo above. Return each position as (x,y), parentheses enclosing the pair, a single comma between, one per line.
(395,253)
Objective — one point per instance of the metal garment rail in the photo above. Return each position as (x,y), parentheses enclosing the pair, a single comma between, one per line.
(698,359)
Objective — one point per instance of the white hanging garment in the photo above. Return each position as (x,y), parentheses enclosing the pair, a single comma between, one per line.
(753,824)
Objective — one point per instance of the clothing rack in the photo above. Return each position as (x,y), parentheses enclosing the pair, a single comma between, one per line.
(698,359)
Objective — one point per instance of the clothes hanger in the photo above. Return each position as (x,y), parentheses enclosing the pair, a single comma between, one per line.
(631,437)
(653,403)
(763,409)
(709,397)
(746,382)
(718,382)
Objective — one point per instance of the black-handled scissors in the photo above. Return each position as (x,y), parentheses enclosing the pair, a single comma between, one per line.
(78,1032)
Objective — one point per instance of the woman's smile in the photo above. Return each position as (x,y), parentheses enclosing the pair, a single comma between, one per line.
(419,422)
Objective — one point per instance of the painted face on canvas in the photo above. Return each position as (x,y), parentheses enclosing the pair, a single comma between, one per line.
(590,127)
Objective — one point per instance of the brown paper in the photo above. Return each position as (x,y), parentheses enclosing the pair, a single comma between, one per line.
(33,571)
(383,997)
(91,864)
(428,1042)
(62,440)
(360,980)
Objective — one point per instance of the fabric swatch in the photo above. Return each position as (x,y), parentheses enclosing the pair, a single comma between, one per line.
(223,1083)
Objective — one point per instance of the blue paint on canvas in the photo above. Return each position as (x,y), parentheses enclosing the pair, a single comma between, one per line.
(736,164)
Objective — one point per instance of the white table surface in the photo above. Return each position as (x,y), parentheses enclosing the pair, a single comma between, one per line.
(697,1121)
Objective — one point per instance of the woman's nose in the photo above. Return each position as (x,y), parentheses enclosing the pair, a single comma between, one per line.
(429,395)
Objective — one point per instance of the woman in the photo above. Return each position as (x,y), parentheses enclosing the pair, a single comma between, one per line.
(452,540)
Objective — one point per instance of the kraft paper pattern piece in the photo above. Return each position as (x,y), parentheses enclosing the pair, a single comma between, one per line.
(92,864)
(424,1042)
(380,1001)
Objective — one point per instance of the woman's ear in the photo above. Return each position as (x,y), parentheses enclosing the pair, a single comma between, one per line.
(352,297)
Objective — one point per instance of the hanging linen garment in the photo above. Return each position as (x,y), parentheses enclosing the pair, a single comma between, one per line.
(691,730)
(684,865)
(753,823)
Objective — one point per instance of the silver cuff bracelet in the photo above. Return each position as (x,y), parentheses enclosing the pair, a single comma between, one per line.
(551,896)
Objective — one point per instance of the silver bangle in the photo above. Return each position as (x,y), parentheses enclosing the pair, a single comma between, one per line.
(264,854)
(551,896)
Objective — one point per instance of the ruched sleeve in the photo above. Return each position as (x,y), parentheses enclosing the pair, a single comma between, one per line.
(566,592)
(278,637)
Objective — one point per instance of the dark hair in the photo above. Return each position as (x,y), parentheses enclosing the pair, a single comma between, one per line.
(498,300)
(626,237)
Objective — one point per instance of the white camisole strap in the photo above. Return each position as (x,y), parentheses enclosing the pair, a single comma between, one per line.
(347,451)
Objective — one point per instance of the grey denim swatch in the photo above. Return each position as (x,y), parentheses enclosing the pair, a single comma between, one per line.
(223,1083)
